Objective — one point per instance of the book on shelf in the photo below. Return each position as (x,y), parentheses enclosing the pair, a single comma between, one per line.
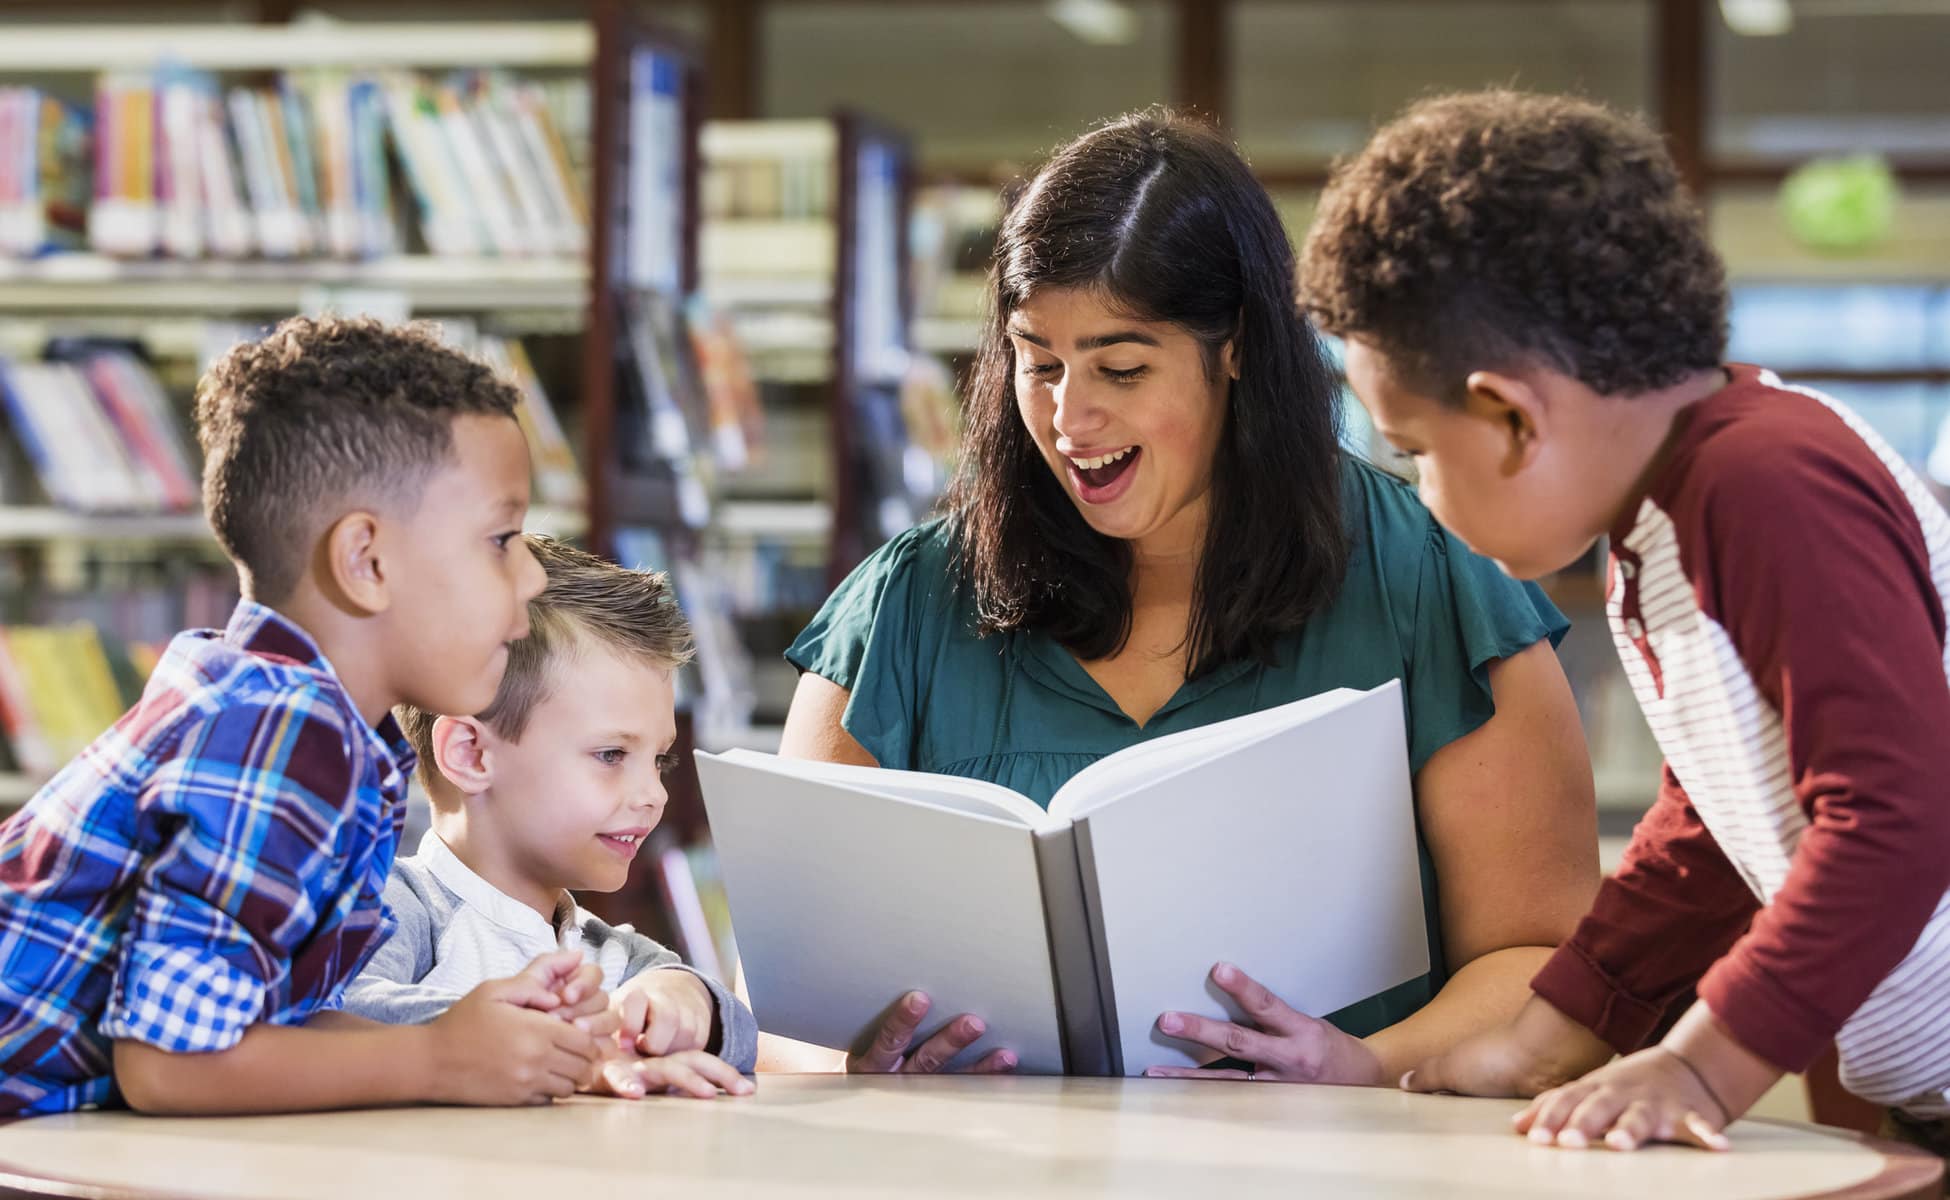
(557,479)
(176,164)
(45,175)
(658,202)
(1069,930)
(100,434)
(662,417)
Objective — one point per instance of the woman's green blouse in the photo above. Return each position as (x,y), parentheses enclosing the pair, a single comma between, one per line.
(1017,709)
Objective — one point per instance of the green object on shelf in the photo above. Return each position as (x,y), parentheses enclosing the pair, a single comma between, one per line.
(1840,204)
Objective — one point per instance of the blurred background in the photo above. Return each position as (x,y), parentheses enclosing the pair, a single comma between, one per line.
(733,252)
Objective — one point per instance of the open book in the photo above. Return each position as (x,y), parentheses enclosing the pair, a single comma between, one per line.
(1282,842)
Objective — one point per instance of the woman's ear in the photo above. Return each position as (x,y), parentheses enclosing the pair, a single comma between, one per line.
(462,753)
(1515,407)
(350,568)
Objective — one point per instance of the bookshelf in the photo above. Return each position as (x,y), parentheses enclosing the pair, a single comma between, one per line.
(365,119)
(805,246)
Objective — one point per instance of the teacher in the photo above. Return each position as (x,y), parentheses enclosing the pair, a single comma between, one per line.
(1154,526)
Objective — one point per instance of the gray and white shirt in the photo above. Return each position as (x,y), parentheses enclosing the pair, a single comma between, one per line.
(457,931)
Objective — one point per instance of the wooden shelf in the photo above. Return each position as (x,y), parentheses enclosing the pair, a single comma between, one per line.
(87,49)
(89,283)
(43,525)
(40,525)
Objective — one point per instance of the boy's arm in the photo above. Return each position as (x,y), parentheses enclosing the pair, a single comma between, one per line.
(389,990)
(491,1048)
(1670,910)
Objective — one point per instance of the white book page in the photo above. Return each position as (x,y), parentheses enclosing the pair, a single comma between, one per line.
(975,797)
(1113,775)
(845,896)
(1292,856)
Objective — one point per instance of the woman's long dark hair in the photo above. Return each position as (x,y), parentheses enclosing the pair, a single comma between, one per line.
(1158,215)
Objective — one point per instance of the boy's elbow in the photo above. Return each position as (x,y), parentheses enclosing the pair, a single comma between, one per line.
(154,1081)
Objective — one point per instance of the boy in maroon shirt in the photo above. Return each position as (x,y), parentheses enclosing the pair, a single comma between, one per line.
(1533,313)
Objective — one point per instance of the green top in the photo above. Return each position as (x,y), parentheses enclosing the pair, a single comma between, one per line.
(1019,710)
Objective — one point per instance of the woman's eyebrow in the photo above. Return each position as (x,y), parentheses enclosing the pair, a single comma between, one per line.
(1096,341)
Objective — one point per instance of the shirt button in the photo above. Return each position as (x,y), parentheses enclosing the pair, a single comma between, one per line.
(1626,570)
(1634,628)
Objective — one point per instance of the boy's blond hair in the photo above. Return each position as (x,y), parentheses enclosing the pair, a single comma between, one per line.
(321,413)
(588,599)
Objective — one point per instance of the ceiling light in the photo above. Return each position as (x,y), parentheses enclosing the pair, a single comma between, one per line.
(1098,22)
(1757,18)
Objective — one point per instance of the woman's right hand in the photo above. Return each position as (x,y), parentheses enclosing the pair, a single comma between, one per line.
(890,1050)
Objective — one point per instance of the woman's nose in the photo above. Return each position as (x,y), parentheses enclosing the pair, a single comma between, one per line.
(1077,410)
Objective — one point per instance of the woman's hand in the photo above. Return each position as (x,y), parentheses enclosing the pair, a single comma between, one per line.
(1283,1045)
(890,1050)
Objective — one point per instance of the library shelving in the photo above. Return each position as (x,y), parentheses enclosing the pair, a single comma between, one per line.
(168,190)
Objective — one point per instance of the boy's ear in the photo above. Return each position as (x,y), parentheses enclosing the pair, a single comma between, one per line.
(352,569)
(461,753)
(1515,406)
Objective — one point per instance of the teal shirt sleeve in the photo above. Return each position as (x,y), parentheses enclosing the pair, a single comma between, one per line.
(1467,614)
(870,638)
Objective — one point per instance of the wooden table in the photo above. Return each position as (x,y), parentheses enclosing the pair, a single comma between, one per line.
(812,1135)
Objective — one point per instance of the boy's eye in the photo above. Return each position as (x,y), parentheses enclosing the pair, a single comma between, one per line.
(611,757)
(502,540)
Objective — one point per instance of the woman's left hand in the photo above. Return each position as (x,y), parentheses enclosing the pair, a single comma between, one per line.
(1283,1045)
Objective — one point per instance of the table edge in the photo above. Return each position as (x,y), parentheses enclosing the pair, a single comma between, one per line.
(1907,1173)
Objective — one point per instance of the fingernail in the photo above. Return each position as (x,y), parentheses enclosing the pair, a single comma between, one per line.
(1171,1023)
(916,1003)
(1573,1139)
(1224,972)
(976,1028)
(1407,1080)
(1008,1060)
(1618,1139)
(1541,1136)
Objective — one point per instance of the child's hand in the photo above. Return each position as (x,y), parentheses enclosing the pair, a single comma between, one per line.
(689,1073)
(663,1012)
(580,992)
(1536,1051)
(494,1047)
(1652,1096)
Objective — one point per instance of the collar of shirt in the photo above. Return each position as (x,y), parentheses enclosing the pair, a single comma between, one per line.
(264,632)
(496,905)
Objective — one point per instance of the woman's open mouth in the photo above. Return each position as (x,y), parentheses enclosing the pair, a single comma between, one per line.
(1103,478)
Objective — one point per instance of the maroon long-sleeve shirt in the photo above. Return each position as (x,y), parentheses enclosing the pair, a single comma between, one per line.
(1778,598)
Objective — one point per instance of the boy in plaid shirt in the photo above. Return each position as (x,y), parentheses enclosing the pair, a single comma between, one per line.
(181,907)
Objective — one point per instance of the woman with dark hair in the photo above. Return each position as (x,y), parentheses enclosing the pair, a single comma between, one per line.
(1154,527)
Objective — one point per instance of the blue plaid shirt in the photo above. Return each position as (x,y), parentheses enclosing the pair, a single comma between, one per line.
(213,861)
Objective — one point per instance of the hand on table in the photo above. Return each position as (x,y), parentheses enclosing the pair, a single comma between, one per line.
(1283,1045)
(663,1012)
(891,1051)
(510,1041)
(1651,1096)
(690,1073)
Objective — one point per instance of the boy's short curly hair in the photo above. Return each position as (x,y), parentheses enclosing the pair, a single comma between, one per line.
(587,601)
(1494,228)
(321,414)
